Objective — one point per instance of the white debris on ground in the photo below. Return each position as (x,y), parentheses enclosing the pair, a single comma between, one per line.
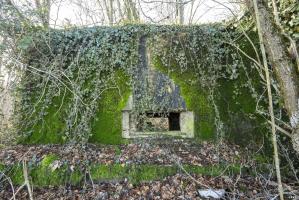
(210,193)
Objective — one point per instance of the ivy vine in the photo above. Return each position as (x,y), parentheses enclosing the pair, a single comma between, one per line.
(69,70)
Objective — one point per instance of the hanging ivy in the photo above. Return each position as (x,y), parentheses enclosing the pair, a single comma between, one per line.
(70,72)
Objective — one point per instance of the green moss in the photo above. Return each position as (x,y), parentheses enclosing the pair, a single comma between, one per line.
(233,97)
(196,98)
(108,172)
(2,167)
(48,159)
(15,172)
(51,128)
(43,175)
(261,159)
(106,127)
(234,108)
(237,106)
(140,173)
(117,150)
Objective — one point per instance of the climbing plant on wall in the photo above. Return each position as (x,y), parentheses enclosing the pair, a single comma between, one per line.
(76,81)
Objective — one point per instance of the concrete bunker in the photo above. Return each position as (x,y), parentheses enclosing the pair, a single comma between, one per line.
(155,106)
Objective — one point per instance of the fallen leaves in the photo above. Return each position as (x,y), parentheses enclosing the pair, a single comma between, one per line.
(136,153)
(178,186)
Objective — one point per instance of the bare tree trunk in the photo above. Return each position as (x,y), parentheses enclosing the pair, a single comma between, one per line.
(270,101)
(191,12)
(131,11)
(119,8)
(179,11)
(134,10)
(284,68)
(43,9)
(128,10)
(293,47)
(109,10)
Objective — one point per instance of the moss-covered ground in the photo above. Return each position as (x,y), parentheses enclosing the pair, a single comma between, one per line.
(45,174)
(138,162)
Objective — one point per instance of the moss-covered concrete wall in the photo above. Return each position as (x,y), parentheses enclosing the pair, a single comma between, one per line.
(106,125)
(235,108)
(196,99)
(232,108)
(235,99)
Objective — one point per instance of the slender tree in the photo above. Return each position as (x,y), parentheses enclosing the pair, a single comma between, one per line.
(283,65)
(43,11)
(270,101)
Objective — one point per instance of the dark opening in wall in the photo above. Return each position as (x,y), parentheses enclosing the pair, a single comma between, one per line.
(159,122)
(174,121)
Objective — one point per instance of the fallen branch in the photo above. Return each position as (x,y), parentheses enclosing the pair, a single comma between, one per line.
(10,183)
(26,183)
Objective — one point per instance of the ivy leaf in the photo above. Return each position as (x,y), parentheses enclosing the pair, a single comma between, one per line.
(2,47)
(25,42)
(296,35)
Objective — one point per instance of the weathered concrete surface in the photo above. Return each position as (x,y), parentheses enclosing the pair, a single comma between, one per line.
(187,123)
(154,92)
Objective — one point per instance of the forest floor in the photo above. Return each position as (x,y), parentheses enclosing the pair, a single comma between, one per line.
(198,167)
